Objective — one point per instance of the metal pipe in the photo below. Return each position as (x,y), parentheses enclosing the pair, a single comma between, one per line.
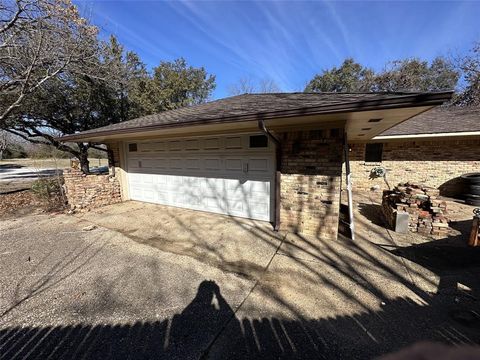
(348,180)
(278,163)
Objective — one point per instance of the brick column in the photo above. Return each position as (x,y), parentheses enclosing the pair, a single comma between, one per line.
(310,182)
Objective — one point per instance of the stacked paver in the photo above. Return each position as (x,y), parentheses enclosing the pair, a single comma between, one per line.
(426,212)
(85,192)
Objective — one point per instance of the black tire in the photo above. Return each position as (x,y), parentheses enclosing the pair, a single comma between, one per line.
(473,189)
(472,200)
(471,178)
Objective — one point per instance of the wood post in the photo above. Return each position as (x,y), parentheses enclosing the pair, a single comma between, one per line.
(474,239)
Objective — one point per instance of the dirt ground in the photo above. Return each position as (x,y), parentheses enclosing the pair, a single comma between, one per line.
(18,204)
(368,207)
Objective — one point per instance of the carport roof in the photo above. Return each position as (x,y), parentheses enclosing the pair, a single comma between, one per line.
(250,107)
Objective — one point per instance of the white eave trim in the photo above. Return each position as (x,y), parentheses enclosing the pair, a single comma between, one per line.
(420,136)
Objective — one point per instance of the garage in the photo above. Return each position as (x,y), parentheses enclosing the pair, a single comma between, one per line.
(231,174)
(221,156)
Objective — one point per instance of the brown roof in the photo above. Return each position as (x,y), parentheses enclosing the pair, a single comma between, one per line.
(254,106)
(439,120)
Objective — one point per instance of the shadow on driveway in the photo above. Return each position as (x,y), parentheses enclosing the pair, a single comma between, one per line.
(306,298)
(208,328)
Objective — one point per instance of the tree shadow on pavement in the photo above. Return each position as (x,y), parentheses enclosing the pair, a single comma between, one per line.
(209,328)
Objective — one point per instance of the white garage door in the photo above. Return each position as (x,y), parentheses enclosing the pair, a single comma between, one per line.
(231,175)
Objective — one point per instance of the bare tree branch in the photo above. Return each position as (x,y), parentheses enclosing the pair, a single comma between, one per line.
(40,40)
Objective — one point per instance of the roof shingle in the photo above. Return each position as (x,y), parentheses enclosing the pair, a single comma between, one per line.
(252,106)
(439,120)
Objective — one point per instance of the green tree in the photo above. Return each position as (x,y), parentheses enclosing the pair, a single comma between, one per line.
(401,75)
(349,77)
(417,75)
(173,85)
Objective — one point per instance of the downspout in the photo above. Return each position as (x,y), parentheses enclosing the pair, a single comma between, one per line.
(278,163)
(348,180)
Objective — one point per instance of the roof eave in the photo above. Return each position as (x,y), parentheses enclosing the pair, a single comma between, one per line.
(414,100)
(427,135)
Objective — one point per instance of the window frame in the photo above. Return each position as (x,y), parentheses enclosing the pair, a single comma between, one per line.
(132,147)
(262,146)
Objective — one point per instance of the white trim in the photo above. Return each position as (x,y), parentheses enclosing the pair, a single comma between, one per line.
(463,133)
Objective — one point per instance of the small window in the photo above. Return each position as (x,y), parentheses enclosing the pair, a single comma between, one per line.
(258,141)
(132,147)
(373,152)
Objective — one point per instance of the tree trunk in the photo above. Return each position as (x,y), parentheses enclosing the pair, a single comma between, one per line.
(84,163)
(83,158)
(1,154)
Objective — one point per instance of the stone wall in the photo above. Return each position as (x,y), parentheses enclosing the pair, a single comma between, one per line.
(310,182)
(85,192)
(435,163)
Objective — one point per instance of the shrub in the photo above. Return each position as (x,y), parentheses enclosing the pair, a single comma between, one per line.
(50,192)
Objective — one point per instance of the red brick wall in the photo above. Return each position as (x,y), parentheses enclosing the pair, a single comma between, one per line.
(436,163)
(310,182)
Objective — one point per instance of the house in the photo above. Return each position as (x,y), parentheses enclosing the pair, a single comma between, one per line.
(434,148)
(271,157)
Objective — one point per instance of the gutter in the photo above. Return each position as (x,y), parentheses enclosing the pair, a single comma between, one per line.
(364,105)
(428,135)
(278,164)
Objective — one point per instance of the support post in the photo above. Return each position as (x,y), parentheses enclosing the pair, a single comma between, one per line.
(348,181)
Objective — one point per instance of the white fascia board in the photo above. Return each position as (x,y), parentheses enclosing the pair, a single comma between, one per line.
(420,136)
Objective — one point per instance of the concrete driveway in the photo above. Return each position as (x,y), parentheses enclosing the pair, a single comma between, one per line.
(151,281)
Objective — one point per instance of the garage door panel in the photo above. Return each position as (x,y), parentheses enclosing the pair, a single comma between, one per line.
(176,163)
(212,164)
(233,164)
(161,180)
(233,142)
(212,143)
(259,209)
(201,174)
(193,164)
(191,199)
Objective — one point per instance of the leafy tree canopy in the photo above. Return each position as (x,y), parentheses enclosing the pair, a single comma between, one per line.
(349,77)
(402,75)
(416,75)
(172,85)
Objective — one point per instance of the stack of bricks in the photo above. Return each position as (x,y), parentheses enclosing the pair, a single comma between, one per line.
(426,212)
(85,192)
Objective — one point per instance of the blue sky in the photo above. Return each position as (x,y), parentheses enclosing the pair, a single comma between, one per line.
(288,42)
